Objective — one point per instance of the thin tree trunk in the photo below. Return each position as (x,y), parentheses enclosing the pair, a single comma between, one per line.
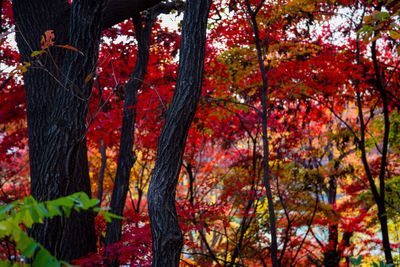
(103,153)
(379,197)
(264,119)
(126,157)
(166,233)
(385,143)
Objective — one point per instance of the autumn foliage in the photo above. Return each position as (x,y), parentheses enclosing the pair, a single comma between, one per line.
(323,60)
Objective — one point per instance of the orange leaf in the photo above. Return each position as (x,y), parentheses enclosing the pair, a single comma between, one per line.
(47,39)
(87,79)
(71,48)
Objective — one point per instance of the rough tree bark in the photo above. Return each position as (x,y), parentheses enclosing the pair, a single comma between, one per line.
(126,157)
(57,149)
(56,97)
(166,234)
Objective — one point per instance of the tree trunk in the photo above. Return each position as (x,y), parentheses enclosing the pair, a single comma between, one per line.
(57,98)
(264,119)
(57,108)
(385,144)
(126,157)
(166,233)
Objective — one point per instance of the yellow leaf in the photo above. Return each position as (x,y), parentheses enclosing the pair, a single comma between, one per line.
(25,67)
(37,53)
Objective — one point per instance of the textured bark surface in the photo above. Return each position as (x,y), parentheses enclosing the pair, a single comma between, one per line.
(56,96)
(166,234)
(126,157)
(57,108)
(32,19)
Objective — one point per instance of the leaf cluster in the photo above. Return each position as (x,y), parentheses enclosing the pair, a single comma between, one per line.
(18,215)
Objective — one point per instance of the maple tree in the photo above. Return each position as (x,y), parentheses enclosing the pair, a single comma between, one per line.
(291,159)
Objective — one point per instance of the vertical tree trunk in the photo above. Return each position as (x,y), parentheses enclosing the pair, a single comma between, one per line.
(57,98)
(126,157)
(32,19)
(57,101)
(264,119)
(166,233)
(379,197)
(385,144)
(64,164)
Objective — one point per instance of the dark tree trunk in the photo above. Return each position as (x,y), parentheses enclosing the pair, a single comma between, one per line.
(166,234)
(264,119)
(32,19)
(334,254)
(57,108)
(57,97)
(379,196)
(382,215)
(63,163)
(126,157)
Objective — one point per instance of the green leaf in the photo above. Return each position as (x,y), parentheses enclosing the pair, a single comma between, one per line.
(42,258)
(29,200)
(4,210)
(27,218)
(30,250)
(91,203)
(62,202)
(109,216)
(35,216)
(385,15)
(41,209)
(67,210)
(29,211)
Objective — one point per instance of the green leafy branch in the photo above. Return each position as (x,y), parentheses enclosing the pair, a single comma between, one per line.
(27,212)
